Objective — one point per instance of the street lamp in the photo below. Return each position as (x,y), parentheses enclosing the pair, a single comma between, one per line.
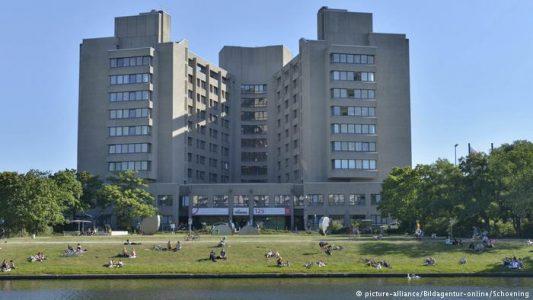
(455,154)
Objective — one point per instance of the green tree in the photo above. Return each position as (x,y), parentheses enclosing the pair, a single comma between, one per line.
(512,167)
(479,190)
(70,190)
(91,186)
(126,194)
(400,196)
(30,201)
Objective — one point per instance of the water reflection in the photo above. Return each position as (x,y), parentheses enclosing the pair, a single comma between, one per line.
(316,288)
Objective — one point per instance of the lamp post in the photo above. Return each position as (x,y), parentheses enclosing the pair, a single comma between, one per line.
(455,154)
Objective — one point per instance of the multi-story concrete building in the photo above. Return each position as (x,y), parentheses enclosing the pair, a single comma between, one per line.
(265,137)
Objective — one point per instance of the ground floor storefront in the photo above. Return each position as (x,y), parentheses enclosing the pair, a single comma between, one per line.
(270,205)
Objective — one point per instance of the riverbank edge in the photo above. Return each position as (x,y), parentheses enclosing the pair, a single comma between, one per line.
(252,276)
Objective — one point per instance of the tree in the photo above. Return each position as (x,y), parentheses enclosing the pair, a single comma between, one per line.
(512,166)
(127,196)
(30,201)
(480,189)
(400,195)
(91,185)
(70,190)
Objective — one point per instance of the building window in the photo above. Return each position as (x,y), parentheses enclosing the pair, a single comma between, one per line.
(129,96)
(282,200)
(316,199)
(253,156)
(353,128)
(129,61)
(353,93)
(140,165)
(353,146)
(165,200)
(253,129)
(357,200)
(359,164)
(220,201)
(336,199)
(344,58)
(200,201)
(253,88)
(254,102)
(132,113)
(240,200)
(254,115)
(375,199)
(129,148)
(130,130)
(253,170)
(358,111)
(130,78)
(352,76)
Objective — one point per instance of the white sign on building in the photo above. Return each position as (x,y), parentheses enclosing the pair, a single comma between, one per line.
(241,211)
(205,211)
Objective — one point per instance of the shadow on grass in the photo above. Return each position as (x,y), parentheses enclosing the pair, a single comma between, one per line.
(423,249)
(500,268)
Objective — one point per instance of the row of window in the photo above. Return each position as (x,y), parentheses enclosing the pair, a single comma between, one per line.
(353,93)
(352,76)
(129,130)
(254,143)
(129,61)
(213,177)
(253,129)
(129,113)
(360,111)
(253,156)
(253,88)
(129,148)
(253,170)
(353,128)
(358,164)
(353,146)
(344,58)
(129,96)
(130,78)
(254,102)
(134,165)
(254,115)
(276,200)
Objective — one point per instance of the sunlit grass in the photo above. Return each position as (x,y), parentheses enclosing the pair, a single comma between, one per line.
(246,255)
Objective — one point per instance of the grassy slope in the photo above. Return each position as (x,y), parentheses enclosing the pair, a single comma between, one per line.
(246,255)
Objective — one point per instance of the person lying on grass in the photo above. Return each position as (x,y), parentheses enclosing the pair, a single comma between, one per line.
(7,266)
(271,254)
(112,264)
(38,257)
(513,263)
(130,243)
(429,261)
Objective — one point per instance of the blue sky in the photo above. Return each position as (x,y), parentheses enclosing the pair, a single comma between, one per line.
(471,64)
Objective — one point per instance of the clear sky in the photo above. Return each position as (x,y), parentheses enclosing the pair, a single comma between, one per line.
(471,64)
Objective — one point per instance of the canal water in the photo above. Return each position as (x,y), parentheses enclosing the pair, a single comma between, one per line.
(315,288)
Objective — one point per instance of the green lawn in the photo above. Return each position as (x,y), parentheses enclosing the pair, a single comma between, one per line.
(246,255)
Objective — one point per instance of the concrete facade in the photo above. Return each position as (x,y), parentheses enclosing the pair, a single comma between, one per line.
(265,138)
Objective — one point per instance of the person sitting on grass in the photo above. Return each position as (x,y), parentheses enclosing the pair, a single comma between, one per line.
(386,264)
(222,255)
(133,253)
(169,245)
(125,252)
(308,265)
(178,246)
(329,250)
(120,264)
(430,261)
(222,242)
(212,256)
(323,244)
(321,263)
